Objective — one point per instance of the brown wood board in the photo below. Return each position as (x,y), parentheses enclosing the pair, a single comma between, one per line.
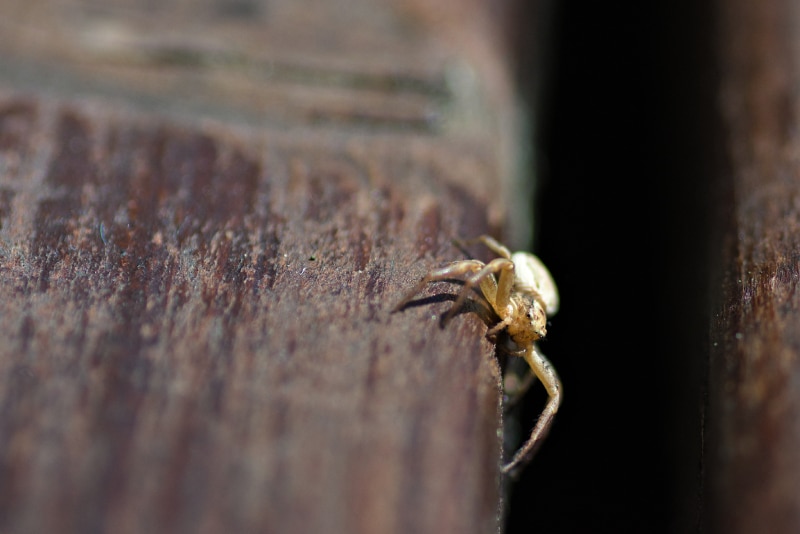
(202,233)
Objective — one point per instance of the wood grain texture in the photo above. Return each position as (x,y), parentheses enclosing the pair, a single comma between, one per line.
(207,211)
(755,370)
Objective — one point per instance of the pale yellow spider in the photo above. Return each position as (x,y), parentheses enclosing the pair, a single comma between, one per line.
(521,291)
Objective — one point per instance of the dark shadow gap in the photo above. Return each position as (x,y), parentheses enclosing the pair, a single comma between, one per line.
(626,113)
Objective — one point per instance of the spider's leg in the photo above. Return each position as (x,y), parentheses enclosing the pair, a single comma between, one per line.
(490,288)
(513,397)
(515,384)
(505,284)
(495,246)
(489,242)
(547,375)
(453,270)
(496,329)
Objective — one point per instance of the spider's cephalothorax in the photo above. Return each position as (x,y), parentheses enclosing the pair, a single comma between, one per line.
(520,290)
(528,320)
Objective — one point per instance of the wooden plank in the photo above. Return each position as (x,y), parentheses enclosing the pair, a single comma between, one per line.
(207,211)
(755,401)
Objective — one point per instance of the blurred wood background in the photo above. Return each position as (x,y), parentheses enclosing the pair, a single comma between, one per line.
(754,413)
(207,210)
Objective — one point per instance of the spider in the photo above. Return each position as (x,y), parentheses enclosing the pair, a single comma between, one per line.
(521,291)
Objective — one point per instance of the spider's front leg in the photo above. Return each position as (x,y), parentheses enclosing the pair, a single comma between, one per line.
(544,371)
(448,272)
(496,292)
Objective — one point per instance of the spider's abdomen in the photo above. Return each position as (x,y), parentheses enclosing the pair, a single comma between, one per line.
(533,278)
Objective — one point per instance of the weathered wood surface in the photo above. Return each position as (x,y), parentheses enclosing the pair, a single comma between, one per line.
(207,211)
(754,414)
